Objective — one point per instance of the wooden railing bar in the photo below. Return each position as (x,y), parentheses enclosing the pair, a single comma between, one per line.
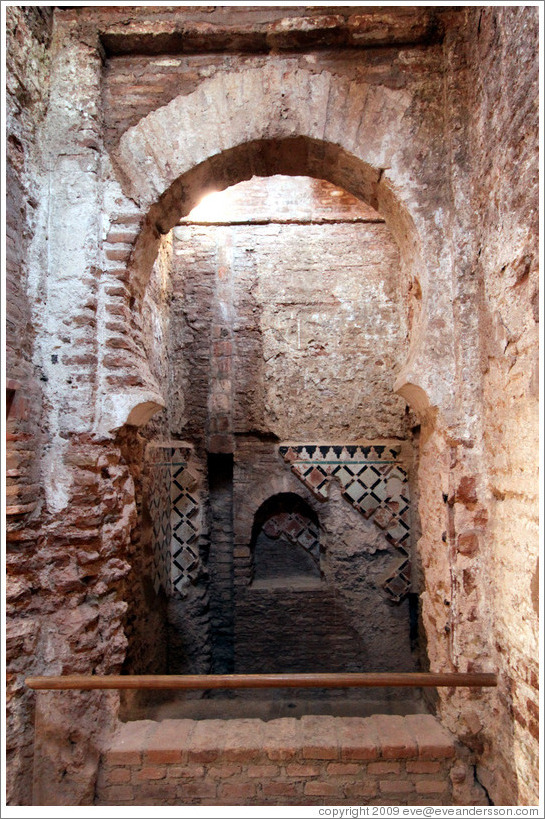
(208,681)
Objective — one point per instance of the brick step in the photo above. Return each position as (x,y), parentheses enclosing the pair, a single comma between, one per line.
(397,760)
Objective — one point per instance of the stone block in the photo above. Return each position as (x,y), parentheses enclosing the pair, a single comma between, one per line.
(118,795)
(358,740)
(262,771)
(396,741)
(237,790)
(196,790)
(281,739)
(302,771)
(434,741)
(430,786)
(151,772)
(128,743)
(423,767)
(207,741)
(242,741)
(468,543)
(223,771)
(375,768)
(395,786)
(116,776)
(323,789)
(359,790)
(319,737)
(186,771)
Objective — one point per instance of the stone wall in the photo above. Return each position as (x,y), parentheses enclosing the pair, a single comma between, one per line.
(355,561)
(281,301)
(289,626)
(503,133)
(405,110)
(28,32)
(145,69)
(145,621)
(65,570)
(314,326)
(481,535)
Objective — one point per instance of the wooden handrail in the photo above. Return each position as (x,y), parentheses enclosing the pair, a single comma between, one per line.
(208,681)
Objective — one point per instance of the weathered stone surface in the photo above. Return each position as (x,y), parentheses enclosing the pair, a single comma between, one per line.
(305,317)
(109,142)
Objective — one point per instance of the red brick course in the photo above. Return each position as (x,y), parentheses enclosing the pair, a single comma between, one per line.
(393,760)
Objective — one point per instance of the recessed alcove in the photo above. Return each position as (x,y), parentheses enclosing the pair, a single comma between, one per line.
(287,319)
(170,371)
(285,544)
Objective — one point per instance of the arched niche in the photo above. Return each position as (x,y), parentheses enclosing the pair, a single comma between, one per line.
(291,156)
(285,542)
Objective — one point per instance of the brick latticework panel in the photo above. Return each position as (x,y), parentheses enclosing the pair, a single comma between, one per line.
(317,760)
(185,525)
(174,508)
(158,502)
(373,482)
(297,530)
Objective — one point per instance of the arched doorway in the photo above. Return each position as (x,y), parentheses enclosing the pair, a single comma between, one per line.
(239,286)
(170,179)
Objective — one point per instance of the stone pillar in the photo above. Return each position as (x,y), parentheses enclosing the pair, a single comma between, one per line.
(63,270)
(66,752)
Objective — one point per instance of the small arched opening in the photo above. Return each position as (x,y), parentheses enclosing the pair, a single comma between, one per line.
(285,544)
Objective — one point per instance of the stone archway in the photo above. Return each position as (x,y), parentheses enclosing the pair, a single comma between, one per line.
(267,121)
(152,186)
(408,126)
(292,122)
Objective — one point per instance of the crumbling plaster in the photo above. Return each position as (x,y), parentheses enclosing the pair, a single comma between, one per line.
(435,145)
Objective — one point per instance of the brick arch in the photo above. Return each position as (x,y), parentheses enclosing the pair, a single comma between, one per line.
(351,133)
(265,121)
(292,156)
(268,103)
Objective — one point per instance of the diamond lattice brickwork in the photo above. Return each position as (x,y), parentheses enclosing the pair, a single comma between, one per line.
(174,508)
(297,529)
(158,502)
(185,524)
(373,481)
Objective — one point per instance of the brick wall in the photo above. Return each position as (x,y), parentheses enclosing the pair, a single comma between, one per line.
(382,760)
(295,279)
(504,133)
(282,199)
(355,559)
(28,33)
(137,83)
(313,326)
(27,92)
(488,514)
(428,134)
(289,626)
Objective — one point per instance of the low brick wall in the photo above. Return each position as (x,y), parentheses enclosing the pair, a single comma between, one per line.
(315,760)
